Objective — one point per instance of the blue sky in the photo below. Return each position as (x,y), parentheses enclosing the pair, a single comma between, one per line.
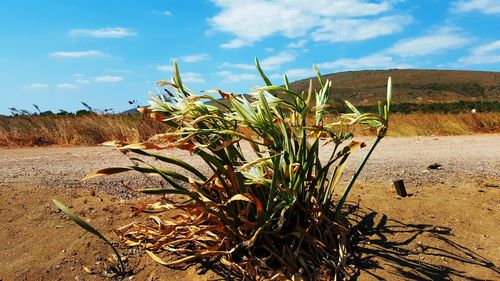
(56,54)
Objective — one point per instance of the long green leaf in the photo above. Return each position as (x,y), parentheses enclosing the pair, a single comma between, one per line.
(172,160)
(90,229)
(107,172)
(264,77)
(354,177)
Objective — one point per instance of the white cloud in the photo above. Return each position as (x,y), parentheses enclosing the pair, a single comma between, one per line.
(192,77)
(230,77)
(162,13)
(275,76)
(484,54)
(374,61)
(38,86)
(117,70)
(268,63)
(235,43)
(191,58)
(297,44)
(188,77)
(275,62)
(289,18)
(300,73)
(239,65)
(224,73)
(108,78)
(107,32)
(66,86)
(77,54)
(484,6)
(269,49)
(82,81)
(436,42)
(164,67)
(346,30)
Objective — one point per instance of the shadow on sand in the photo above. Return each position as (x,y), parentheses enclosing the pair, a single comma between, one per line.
(395,248)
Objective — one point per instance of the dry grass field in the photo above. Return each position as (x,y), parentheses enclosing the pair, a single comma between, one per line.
(437,124)
(21,131)
(17,131)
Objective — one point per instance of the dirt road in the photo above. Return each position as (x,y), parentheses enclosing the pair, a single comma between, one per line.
(446,228)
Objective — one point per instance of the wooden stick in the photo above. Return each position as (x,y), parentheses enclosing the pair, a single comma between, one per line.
(400,188)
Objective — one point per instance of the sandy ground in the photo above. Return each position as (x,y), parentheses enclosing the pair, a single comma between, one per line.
(447,229)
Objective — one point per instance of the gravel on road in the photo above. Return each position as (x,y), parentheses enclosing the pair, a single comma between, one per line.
(459,157)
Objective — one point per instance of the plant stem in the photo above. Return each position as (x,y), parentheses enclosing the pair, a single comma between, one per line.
(354,177)
(118,258)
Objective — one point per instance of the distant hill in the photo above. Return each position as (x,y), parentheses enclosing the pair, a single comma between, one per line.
(130,111)
(411,86)
(413,90)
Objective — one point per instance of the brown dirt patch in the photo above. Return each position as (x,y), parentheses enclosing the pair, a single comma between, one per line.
(446,229)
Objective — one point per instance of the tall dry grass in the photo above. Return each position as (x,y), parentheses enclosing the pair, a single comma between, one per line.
(426,124)
(75,130)
(94,129)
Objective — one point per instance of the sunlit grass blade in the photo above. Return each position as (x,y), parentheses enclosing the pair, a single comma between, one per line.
(318,74)
(389,98)
(107,172)
(171,160)
(262,74)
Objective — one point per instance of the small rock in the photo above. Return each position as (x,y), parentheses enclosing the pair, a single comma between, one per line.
(435,166)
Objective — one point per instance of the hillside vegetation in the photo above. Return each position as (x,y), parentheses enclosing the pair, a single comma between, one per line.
(412,86)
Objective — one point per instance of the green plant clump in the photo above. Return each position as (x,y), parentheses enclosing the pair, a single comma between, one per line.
(269,208)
